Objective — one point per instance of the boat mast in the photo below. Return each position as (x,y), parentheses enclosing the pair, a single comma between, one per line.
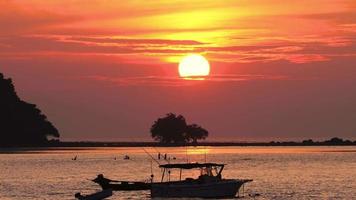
(180,174)
(164,171)
(222,167)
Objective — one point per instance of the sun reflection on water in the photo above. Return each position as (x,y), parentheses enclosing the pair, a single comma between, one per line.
(197,151)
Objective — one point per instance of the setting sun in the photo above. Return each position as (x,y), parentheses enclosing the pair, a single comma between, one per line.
(194,65)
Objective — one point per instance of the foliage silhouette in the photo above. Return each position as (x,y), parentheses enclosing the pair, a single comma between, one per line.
(21,123)
(173,129)
(308,142)
(196,132)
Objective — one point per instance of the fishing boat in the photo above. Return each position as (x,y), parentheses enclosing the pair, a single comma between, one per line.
(209,184)
(96,196)
(116,185)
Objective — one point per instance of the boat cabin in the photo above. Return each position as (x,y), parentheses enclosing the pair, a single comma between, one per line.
(208,171)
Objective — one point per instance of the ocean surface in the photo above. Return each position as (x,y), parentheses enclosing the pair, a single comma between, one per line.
(277,172)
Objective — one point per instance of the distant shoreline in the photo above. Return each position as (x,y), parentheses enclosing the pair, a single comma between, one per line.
(56,143)
(154,144)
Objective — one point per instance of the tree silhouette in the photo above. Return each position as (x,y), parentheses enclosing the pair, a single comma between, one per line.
(173,129)
(335,140)
(21,123)
(169,129)
(196,132)
(308,142)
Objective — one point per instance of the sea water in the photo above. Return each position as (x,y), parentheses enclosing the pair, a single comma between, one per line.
(277,172)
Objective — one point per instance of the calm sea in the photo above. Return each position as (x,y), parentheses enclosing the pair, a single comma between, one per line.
(278,172)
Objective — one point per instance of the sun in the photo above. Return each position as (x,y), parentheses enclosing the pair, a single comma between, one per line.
(194,65)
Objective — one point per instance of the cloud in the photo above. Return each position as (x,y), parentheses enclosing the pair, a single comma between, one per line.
(344,17)
(298,51)
(18,19)
(174,81)
(44,45)
(133,41)
(348,27)
(243,32)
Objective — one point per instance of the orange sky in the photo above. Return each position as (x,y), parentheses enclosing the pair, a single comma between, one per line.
(105,70)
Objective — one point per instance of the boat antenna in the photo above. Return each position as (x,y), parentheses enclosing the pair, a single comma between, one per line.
(151,168)
(186,153)
(205,153)
(151,156)
(151,172)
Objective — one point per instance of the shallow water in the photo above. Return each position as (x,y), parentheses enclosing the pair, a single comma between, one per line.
(278,172)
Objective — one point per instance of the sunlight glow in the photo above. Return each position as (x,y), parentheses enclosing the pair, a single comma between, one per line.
(194,65)
(198,151)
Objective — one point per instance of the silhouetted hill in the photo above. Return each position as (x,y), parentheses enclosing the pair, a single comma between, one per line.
(21,123)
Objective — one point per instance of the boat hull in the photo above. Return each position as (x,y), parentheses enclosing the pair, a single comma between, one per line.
(219,189)
(96,196)
(126,186)
(120,185)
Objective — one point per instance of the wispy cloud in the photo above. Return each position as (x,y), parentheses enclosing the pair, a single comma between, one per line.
(16,18)
(173,81)
(132,41)
(293,51)
(229,31)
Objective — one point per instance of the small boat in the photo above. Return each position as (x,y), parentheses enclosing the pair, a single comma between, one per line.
(96,196)
(209,184)
(106,183)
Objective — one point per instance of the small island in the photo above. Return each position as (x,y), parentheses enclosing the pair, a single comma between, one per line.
(173,129)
